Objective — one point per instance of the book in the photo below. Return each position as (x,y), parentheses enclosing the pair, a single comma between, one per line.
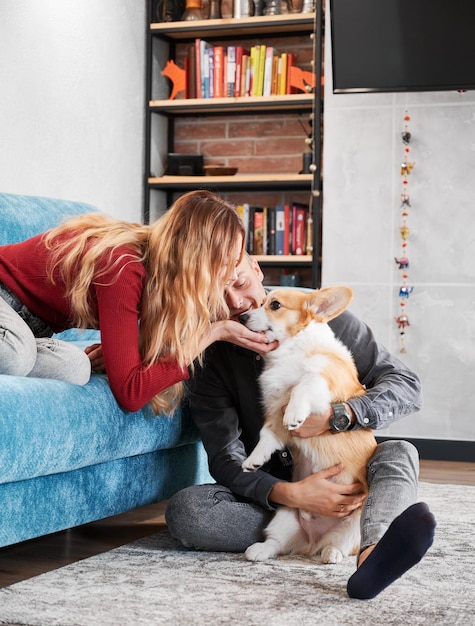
(225,72)
(230,71)
(238,82)
(258,230)
(279,229)
(287,229)
(250,229)
(204,64)
(198,66)
(275,76)
(218,71)
(309,241)
(283,74)
(299,227)
(260,70)
(243,212)
(205,73)
(246,75)
(191,73)
(265,231)
(253,69)
(245,218)
(267,83)
(290,62)
(240,211)
(211,72)
(271,230)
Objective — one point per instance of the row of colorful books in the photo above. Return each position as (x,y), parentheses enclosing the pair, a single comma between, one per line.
(214,71)
(279,230)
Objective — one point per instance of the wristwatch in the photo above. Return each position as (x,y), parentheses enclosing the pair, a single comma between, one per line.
(340,419)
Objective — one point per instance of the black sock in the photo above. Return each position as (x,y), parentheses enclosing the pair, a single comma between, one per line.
(402,546)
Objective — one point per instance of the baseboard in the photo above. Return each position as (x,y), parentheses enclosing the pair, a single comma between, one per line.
(441,449)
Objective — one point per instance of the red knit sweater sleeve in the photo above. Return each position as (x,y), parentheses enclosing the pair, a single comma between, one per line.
(133,384)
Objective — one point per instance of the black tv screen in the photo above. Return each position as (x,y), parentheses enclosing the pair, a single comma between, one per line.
(402,45)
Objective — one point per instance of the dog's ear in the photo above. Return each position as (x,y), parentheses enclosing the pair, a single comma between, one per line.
(329,302)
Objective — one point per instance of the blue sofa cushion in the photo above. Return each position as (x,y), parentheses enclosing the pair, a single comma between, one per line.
(49,426)
(43,214)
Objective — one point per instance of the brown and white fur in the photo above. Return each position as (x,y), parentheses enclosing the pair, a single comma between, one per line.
(310,369)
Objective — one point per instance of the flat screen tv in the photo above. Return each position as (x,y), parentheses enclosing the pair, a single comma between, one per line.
(402,45)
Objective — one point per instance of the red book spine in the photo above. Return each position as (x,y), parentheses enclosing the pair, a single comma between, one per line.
(290,63)
(238,79)
(299,221)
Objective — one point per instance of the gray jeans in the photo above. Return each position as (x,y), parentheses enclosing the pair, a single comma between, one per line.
(28,349)
(211,517)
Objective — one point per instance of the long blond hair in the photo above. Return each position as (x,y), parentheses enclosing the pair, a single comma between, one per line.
(187,254)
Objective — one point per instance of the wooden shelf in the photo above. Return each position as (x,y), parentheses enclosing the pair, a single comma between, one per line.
(297,23)
(240,181)
(278,259)
(192,106)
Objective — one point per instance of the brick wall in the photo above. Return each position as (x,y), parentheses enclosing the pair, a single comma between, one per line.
(254,143)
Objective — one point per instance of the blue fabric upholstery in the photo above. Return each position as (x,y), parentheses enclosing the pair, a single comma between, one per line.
(23,217)
(70,454)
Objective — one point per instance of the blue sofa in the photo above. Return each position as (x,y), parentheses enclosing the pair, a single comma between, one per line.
(69,454)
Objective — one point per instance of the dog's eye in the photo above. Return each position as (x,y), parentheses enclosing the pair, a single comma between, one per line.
(275,304)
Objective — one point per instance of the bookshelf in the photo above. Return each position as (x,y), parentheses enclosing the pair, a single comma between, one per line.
(164,118)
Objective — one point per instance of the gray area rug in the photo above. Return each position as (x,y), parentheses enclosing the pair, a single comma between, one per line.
(156,581)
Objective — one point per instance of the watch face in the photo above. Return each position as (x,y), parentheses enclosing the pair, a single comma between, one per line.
(340,420)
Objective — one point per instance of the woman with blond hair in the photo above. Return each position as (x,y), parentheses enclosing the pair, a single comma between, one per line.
(156,293)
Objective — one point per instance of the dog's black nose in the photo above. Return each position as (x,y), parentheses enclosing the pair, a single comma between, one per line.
(243,318)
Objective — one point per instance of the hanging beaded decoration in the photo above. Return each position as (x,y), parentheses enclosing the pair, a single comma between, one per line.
(402,262)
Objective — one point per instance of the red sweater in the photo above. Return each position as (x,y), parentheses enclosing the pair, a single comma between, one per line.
(116,305)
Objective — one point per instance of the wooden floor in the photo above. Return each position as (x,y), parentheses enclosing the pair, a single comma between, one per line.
(34,557)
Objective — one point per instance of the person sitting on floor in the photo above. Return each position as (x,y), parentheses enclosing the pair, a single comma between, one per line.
(225,402)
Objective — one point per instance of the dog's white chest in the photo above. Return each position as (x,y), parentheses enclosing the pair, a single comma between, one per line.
(296,357)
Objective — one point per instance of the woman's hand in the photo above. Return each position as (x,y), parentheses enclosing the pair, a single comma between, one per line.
(234,332)
(94,352)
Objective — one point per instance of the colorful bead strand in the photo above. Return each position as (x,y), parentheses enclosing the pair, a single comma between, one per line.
(402,262)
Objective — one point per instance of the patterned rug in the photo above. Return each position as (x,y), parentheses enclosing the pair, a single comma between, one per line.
(155,581)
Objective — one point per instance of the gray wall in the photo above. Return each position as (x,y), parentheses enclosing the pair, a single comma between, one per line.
(72,96)
(362,214)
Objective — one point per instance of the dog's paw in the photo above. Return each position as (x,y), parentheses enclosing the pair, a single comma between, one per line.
(255,460)
(250,466)
(294,424)
(330,554)
(292,421)
(260,551)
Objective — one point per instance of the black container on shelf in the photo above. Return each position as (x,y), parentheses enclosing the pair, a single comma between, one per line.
(169,10)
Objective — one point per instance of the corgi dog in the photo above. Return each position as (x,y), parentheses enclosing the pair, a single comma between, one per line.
(309,370)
